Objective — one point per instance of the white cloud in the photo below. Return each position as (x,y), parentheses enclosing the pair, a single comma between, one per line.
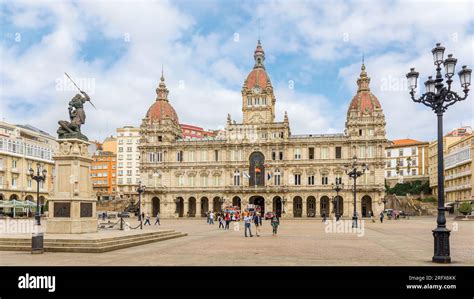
(205,71)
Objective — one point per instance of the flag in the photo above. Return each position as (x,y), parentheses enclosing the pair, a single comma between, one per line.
(269,176)
(247,175)
(257,169)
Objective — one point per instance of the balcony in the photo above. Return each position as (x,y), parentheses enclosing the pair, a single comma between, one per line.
(457,175)
(458,188)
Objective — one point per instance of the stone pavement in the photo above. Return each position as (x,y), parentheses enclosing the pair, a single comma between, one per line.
(299,243)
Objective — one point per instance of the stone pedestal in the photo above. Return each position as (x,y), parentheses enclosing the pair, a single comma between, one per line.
(72,208)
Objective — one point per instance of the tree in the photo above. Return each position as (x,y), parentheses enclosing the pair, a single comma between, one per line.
(465,208)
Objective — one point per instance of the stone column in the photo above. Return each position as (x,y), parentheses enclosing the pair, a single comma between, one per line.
(198,207)
(304,208)
(185,207)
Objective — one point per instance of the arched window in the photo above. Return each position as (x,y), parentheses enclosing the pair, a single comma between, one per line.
(277,175)
(236,178)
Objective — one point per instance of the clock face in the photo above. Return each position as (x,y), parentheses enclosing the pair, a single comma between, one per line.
(256,90)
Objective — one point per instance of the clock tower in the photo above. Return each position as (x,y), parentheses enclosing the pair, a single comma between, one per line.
(258,100)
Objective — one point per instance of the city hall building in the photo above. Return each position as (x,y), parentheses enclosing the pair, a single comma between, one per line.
(259,161)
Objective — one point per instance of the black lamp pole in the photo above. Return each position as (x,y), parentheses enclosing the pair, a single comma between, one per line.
(337,187)
(140,190)
(439,97)
(353,172)
(40,176)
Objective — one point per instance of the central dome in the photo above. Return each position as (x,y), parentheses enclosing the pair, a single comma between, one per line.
(258,76)
(161,108)
(364,102)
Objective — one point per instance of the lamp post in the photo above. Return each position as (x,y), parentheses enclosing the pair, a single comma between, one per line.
(40,176)
(353,172)
(337,187)
(140,190)
(283,202)
(439,97)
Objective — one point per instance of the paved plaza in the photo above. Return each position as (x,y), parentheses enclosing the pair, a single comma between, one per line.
(299,243)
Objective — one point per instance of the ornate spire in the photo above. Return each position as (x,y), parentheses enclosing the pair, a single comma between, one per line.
(285,119)
(162,91)
(363,81)
(259,56)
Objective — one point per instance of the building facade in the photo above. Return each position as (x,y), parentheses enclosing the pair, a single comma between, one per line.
(458,170)
(103,173)
(128,161)
(450,138)
(190,132)
(407,160)
(259,161)
(22,148)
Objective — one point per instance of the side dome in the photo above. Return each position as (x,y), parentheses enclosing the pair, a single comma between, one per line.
(364,102)
(161,108)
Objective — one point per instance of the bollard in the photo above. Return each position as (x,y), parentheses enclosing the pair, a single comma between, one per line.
(37,243)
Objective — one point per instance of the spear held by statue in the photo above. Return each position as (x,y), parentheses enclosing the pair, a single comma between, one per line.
(83,92)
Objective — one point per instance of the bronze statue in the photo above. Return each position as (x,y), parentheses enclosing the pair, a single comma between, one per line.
(77,117)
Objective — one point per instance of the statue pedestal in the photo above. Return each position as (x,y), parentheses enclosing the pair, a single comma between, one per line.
(72,208)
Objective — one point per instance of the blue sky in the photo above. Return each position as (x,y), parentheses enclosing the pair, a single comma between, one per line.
(115,50)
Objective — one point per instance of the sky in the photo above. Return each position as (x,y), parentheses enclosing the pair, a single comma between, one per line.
(115,50)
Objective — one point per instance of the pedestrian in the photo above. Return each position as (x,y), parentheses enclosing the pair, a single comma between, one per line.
(324,217)
(143,216)
(157,218)
(211,217)
(257,220)
(207,217)
(275,222)
(371,216)
(227,220)
(104,215)
(221,221)
(381,217)
(147,219)
(248,222)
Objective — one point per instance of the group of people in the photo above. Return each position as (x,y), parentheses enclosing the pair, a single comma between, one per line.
(249,217)
(147,218)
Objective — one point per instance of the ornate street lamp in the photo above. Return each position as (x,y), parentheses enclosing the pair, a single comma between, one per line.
(337,187)
(140,189)
(40,176)
(353,172)
(439,97)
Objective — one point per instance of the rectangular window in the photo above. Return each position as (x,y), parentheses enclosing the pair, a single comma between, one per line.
(179,156)
(216,155)
(389,164)
(297,179)
(413,171)
(324,180)
(389,173)
(281,155)
(14,164)
(311,153)
(191,156)
(204,181)
(14,181)
(324,153)
(311,180)
(204,156)
(361,151)
(274,154)
(120,149)
(191,181)
(389,153)
(338,152)
(297,154)
(400,152)
(277,179)
(370,151)
(413,162)
(339,180)
(413,151)
(217,180)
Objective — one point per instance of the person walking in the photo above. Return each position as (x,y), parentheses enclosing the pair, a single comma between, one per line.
(157,218)
(211,217)
(275,222)
(147,219)
(143,216)
(371,216)
(221,221)
(324,217)
(381,217)
(257,220)
(248,222)
(227,220)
